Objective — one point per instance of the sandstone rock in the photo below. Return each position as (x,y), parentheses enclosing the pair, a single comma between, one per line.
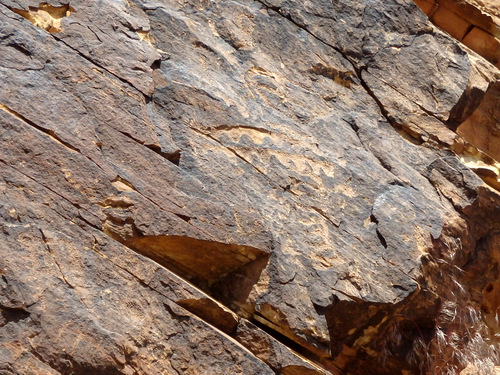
(198,187)
(475,23)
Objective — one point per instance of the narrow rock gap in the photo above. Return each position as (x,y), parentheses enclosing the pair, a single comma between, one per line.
(381,106)
(381,238)
(320,211)
(173,157)
(77,206)
(289,343)
(223,284)
(46,131)
(25,15)
(100,66)
(20,48)
(271,182)
(215,315)
(202,262)
(289,18)
(235,153)
(469,29)
(44,239)
(382,162)
(49,132)
(356,69)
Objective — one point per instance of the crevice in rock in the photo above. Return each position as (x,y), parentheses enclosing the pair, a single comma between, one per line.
(320,211)
(211,312)
(173,157)
(225,272)
(267,326)
(122,184)
(12,314)
(487,168)
(278,10)
(217,315)
(232,127)
(234,152)
(77,206)
(343,78)
(356,69)
(381,238)
(421,107)
(381,106)
(287,189)
(44,239)
(81,54)
(119,202)
(383,163)
(20,48)
(52,134)
(358,73)
(183,217)
(49,132)
(201,262)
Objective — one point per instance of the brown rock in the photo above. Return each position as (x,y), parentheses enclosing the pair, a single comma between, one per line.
(454,24)
(244,187)
(481,128)
(483,43)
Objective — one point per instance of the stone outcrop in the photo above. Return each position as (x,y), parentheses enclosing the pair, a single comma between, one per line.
(474,23)
(248,187)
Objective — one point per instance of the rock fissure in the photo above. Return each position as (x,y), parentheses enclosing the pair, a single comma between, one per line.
(358,71)
(100,66)
(55,259)
(335,223)
(49,132)
(173,157)
(52,134)
(77,206)
(235,153)
(420,106)
(216,316)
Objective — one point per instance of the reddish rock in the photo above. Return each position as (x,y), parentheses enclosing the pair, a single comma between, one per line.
(249,187)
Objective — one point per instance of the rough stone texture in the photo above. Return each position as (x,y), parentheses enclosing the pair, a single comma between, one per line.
(474,23)
(482,127)
(245,187)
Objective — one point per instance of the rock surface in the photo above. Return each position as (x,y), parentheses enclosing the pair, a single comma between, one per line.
(246,187)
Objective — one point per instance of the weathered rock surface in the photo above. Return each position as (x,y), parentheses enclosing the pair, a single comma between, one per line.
(474,23)
(246,187)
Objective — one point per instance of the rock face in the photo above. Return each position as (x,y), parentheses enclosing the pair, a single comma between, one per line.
(246,187)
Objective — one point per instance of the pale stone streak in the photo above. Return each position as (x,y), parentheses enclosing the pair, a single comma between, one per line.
(334,222)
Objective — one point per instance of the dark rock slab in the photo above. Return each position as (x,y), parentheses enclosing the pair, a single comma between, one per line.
(289,163)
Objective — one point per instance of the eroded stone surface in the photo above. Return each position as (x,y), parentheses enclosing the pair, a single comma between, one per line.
(474,23)
(294,164)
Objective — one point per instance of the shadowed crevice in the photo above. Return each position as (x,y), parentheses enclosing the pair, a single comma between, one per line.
(203,263)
